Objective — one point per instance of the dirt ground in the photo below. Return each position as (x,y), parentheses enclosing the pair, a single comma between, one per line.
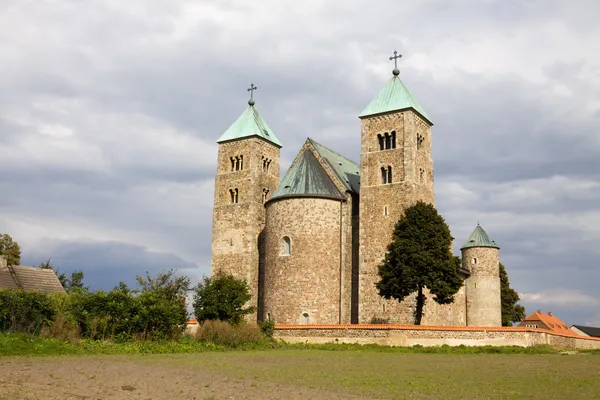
(122,377)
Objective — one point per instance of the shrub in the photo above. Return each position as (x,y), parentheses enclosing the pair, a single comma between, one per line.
(22,311)
(267,328)
(62,329)
(226,334)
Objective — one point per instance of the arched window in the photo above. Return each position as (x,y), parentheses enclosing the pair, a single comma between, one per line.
(305,318)
(241,162)
(393,139)
(474,261)
(388,141)
(421,175)
(380,139)
(383,175)
(233,195)
(268,316)
(389,175)
(420,140)
(232,163)
(286,246)
(265,195)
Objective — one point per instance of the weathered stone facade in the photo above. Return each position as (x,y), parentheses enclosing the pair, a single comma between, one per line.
(483,286)
(238,222)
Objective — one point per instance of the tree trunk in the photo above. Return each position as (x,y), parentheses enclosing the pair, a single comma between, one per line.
(420,304)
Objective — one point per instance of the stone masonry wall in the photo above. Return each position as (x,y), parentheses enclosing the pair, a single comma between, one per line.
(483,286)
(314,278)
(236,227)
(407,335)
(381,205)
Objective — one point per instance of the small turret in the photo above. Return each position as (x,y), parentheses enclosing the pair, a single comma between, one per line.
(481,256)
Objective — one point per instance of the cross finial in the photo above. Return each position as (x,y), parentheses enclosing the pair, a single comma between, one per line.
(251,90)
(395,57)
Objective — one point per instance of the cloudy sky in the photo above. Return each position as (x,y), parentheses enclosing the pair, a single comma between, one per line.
(109,112)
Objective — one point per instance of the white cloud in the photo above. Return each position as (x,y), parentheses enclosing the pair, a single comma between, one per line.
(561,297)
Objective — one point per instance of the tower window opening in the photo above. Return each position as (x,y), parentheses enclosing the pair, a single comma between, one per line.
(232,159)
(421,175)
(385,210)
(241,162)
(265,195)
(474,261)
(305,318)
(286,246)
(233,194)
(420,140)
(393,139)
(388,141)
(386,175)
(380,139)
(265,164)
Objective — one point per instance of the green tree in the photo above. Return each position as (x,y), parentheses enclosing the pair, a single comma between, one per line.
(419,257)
(511,311)
(222,297)
(10,249)
(165,284)
(70,283)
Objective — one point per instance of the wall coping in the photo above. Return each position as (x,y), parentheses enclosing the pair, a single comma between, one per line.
(389,327)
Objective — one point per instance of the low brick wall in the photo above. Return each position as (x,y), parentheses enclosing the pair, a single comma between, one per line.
(410,335)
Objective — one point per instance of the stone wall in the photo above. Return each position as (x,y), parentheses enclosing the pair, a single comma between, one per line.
(237,226)
(411,335)
(483,286)
(315,279)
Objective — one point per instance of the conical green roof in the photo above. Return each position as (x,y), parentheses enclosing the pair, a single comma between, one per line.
(249,124)
(394,96)
(479,238)
(307,178)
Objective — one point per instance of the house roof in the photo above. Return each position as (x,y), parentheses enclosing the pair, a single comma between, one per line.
(29,278)
(550,321)
(249,124)
(394,96)
(479,238)
(594,332)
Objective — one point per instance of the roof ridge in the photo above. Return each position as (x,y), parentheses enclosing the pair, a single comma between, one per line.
(333,151)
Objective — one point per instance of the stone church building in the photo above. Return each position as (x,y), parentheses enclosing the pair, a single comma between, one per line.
(309,244)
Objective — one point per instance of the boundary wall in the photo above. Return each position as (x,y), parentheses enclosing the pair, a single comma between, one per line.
(411,335)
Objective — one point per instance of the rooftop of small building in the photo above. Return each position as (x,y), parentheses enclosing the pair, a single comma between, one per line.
(550,322)
(17,277)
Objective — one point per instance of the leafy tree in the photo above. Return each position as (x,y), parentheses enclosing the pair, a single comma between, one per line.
(165,284)
(10,249)
(70,283)
(222,297)
(511,311)
(419,257)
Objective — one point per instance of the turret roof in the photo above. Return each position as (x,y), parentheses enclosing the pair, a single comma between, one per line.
(479,238)
(249,124)
(394,96)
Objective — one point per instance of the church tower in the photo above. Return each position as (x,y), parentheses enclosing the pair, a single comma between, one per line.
(396,171)
(247,174)
(481,256)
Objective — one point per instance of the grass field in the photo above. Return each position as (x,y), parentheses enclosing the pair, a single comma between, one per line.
(294,373)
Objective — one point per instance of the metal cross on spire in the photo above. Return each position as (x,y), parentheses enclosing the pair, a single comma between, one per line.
(395,57)
(251,90)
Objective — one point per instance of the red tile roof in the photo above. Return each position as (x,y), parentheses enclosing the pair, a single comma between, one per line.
(549,322)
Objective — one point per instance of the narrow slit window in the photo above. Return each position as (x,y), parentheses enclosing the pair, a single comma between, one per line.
(286,245)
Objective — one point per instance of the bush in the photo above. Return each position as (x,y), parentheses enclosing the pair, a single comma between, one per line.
(26,312)
(62,329)
(267,328)
(225,334)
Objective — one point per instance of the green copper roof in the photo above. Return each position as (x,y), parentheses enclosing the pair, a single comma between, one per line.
(247,125)
(346,170)
(479,238)
(306,177)
(394,96)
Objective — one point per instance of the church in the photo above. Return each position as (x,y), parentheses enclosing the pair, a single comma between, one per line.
(309,244)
